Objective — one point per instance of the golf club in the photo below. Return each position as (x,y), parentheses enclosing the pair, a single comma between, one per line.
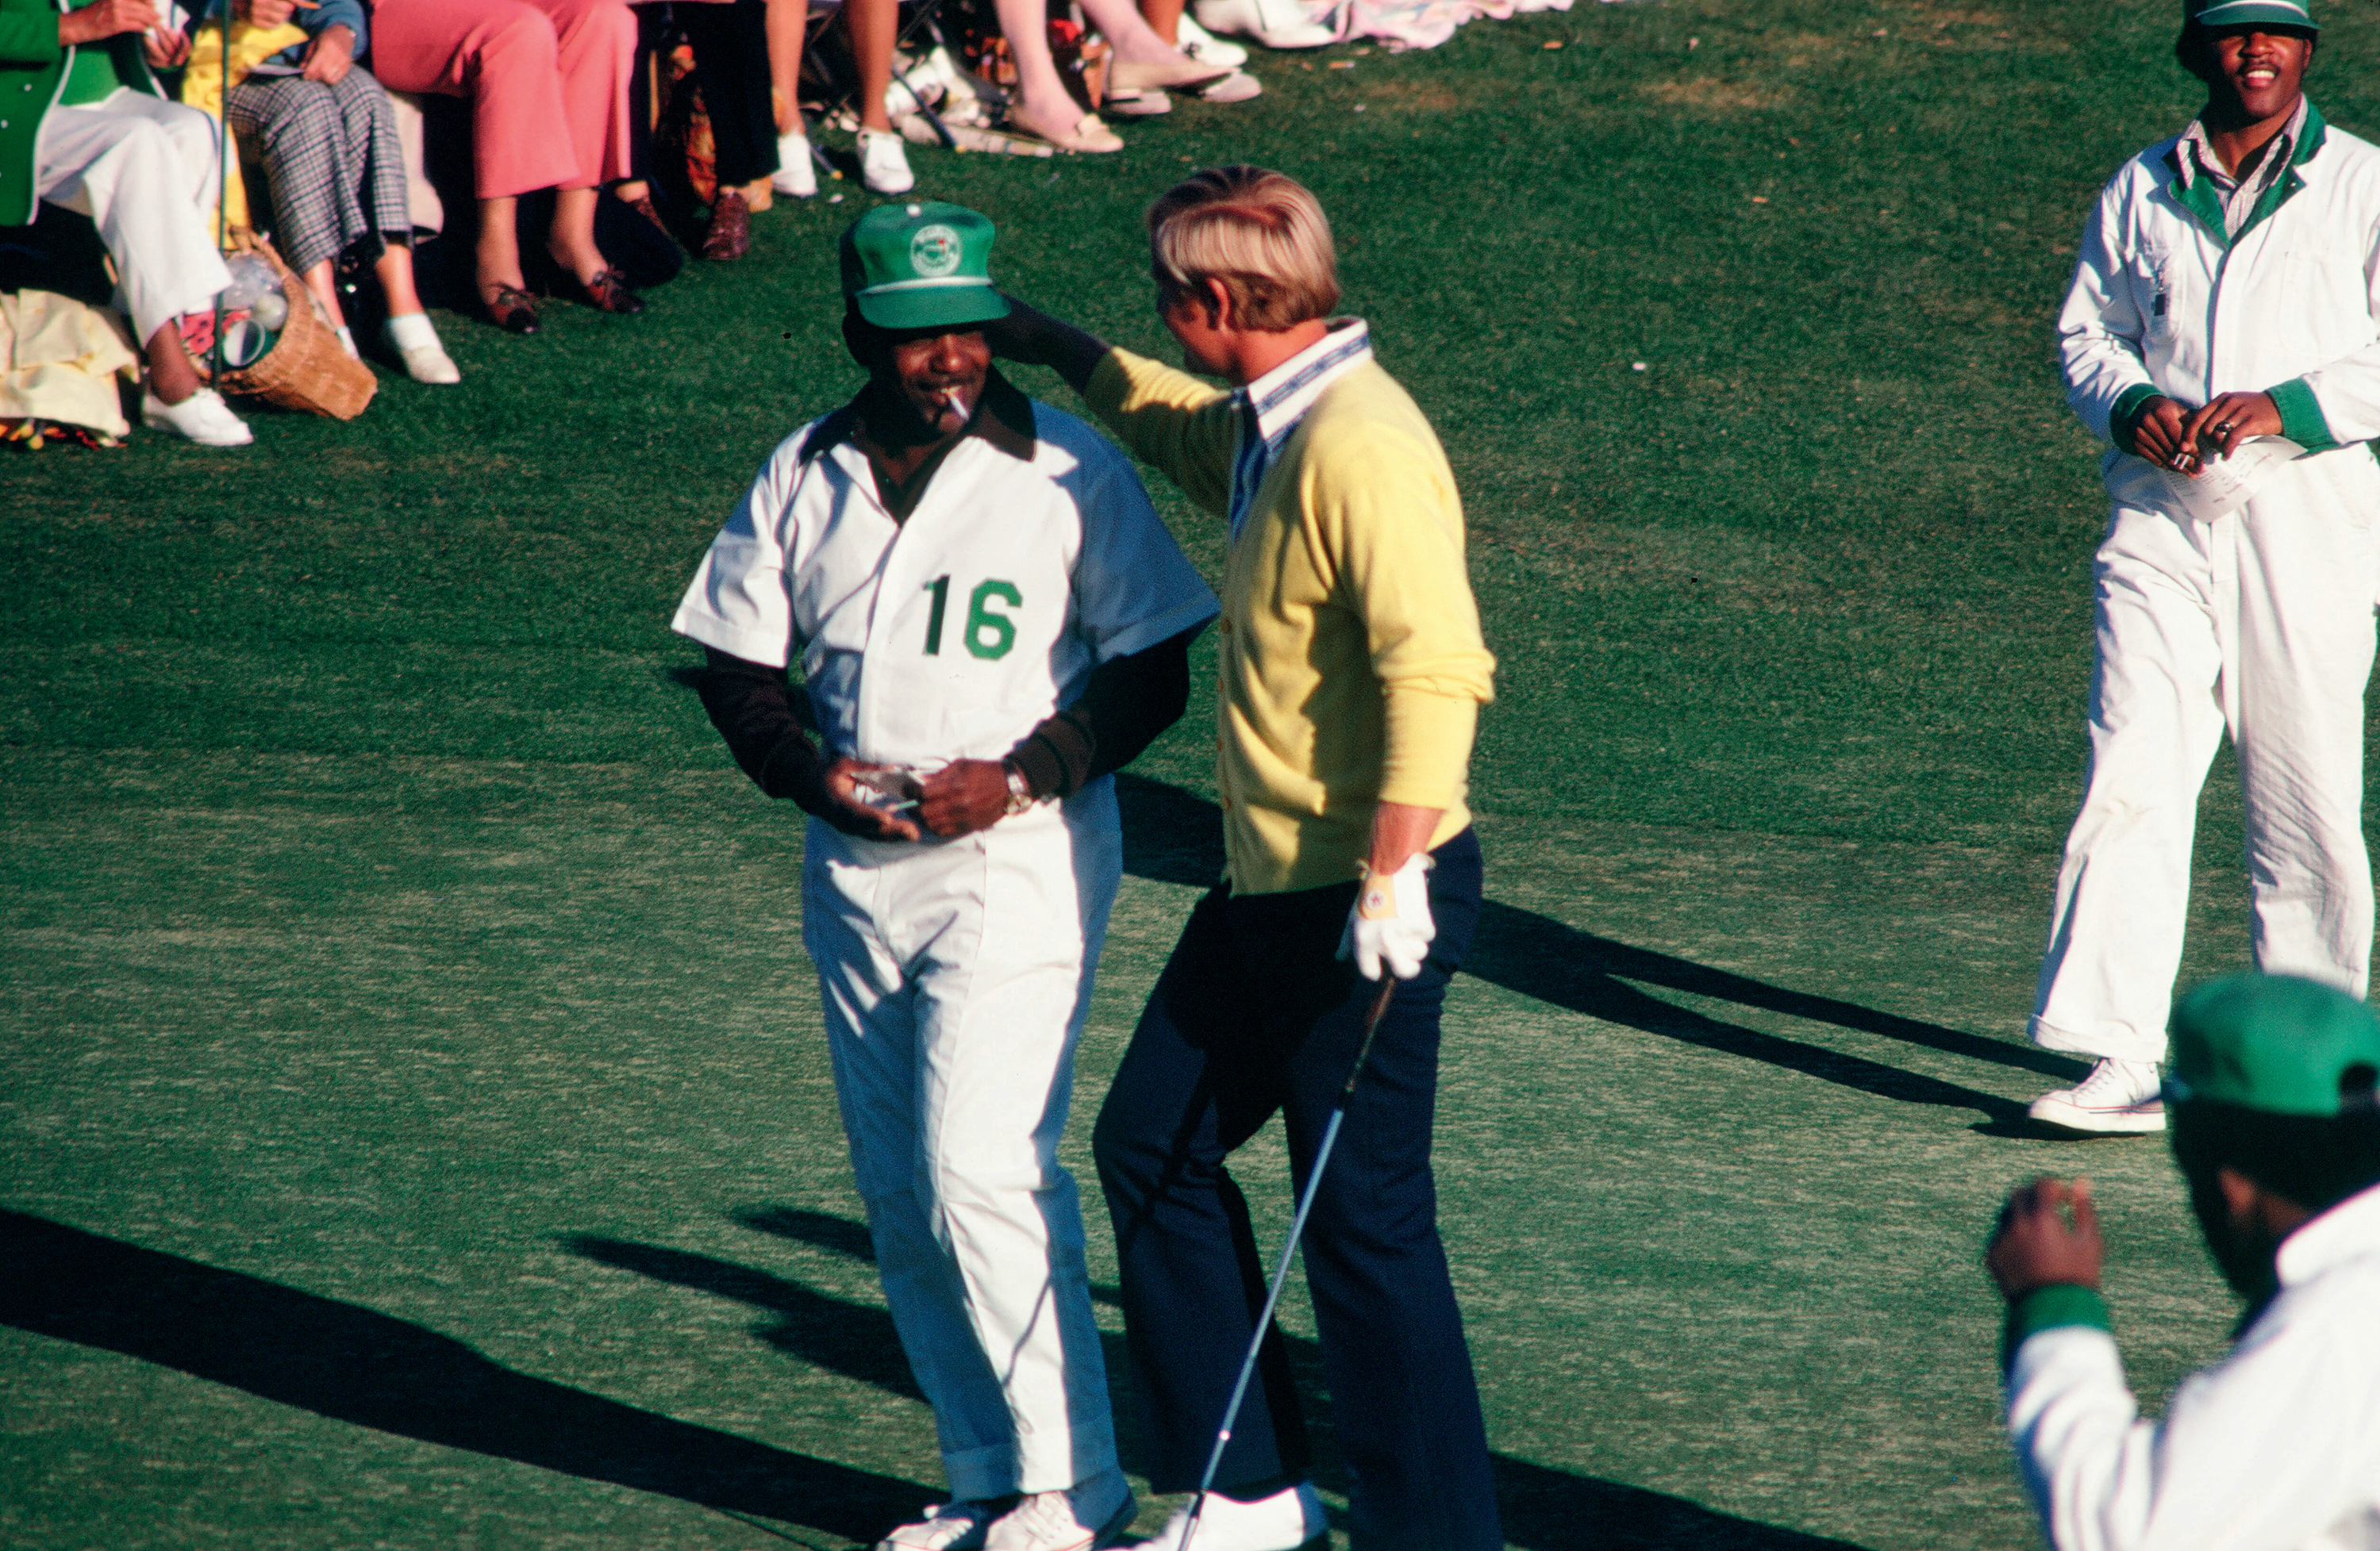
(1289,1247)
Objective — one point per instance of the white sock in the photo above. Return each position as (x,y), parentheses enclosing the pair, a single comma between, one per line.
(346,339)
(412,331)
(792,146)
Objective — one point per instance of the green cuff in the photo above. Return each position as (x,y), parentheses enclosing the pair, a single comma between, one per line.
(2302,417)
(2128,403)
(2048,1308)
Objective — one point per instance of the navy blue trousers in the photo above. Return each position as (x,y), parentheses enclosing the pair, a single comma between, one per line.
(1254,1015)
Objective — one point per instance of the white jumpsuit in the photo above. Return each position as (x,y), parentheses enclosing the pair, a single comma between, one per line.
(955,974)
(2260,623)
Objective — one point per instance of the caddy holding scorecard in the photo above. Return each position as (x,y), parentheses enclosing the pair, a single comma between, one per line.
(2226,294)
(990,618)
(1352,673)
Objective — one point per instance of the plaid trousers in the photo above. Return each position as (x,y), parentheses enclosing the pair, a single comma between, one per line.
(331,162)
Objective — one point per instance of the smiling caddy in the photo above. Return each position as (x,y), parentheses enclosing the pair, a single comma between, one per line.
(990,619)
(2227,291)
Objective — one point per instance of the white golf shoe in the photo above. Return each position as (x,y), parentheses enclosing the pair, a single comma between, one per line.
(1091,1514)
(796,176)
(1273,23)
(945,1527)
(1206,48)
(2119,1097)
(202,418)
(884,164)
(1283,1521)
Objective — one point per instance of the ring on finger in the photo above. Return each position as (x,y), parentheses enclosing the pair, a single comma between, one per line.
(2223,427)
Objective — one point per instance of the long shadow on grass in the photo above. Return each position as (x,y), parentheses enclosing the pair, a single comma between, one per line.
(1545,1509)
(1176,837)
(354,1364)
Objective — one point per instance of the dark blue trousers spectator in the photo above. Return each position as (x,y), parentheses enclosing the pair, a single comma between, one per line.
(1254,1014)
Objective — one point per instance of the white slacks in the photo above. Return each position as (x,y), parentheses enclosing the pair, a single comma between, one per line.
(147,172)
(2261,624)
(955,977)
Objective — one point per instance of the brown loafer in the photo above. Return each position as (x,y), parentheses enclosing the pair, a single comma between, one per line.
(608,293)
(730,232)
(511,308)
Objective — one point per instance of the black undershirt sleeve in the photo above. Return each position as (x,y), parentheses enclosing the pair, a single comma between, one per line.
(1126,703)
(752,706)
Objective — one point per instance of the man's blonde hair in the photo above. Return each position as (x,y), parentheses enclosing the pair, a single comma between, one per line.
(1260,234)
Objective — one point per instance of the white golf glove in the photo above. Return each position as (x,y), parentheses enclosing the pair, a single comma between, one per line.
(1389,921)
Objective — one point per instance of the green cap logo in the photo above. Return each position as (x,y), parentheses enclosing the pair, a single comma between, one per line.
(934,250)
(921,266)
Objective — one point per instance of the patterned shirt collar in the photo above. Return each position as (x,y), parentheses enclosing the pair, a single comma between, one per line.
(2195,157)
(1272,405)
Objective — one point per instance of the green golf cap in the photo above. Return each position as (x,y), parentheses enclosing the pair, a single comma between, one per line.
(2271,1042)
(2249,12)
(921,266)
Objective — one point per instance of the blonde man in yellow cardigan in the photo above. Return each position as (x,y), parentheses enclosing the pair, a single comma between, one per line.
(1352,675)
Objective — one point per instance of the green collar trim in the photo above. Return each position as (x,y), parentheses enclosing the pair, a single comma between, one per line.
(2198,197)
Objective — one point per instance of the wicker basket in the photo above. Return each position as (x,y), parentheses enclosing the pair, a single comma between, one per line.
(306,369)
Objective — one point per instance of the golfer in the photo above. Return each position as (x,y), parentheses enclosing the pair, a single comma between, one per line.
(2225,295)
(1352,673)
(2277,1447)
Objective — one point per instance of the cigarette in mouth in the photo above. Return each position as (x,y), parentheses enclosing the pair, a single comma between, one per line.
(958,403)
(903,807)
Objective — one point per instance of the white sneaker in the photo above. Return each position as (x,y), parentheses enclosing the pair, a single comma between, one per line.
(1273,23)
(945,1527)
(416,344)
(1082,1517)
(796,176)
(1283,1521)
(202,418)
(2119,1097)
(884,164)
(1206,48)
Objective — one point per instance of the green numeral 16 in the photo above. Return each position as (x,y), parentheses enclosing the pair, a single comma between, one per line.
(988,634)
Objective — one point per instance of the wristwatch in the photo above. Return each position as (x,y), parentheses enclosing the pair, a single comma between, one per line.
(1020,793)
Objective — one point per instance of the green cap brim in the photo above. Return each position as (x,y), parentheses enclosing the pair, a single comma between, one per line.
(2251,13)
(934,304)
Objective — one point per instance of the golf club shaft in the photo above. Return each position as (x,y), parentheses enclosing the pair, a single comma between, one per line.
(1288,1249)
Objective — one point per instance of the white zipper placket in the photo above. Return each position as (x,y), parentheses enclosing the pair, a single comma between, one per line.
(886,567)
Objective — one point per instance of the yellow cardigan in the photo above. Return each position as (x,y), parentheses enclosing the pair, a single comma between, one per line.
(1351,667)
(203,87)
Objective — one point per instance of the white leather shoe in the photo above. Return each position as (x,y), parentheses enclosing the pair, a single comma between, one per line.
(416,344)
(1274,23)
(1237,87)
(202,418)
(2119,1097)
(1283,1521)
(796,176)
(945,1527)
(1206,48)
(1082,1517)
(884,164)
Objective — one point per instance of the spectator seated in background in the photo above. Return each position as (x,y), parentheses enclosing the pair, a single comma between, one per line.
(883,159)
(548,85)
(327,135)
(104,142)
(1146,67)
(2274,1096)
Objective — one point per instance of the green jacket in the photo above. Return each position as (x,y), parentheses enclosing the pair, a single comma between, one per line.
(34,67)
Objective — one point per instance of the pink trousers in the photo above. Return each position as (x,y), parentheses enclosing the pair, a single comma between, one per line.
(548,81)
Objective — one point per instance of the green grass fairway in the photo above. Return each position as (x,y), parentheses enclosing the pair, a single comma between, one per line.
(415,1129)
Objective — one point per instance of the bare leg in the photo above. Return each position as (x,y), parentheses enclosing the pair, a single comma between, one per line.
(395,271)
(874,24)
(498,255)
(571,239)
(632,190)
(1164,19)
(788,20)
(323,280)
(1121,25)
(1040,93)
(172,376)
